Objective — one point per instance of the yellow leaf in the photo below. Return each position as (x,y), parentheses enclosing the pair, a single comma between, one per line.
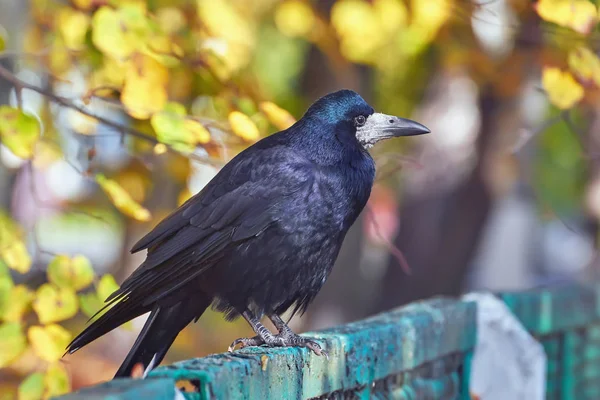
(6,286)
(73,26)
(20,300)
(56,381)
(197,131)
(83,4)
(122,200)
(18,131)
(16,256)
(563,90)
(243,126)
(134,183)
(426,19)
(222,19)
(184,196)
(164,50)
(54,304)
(60,59)
(32,387)
(12,342)
(355,20)
(232,36)
(75,273)
(392,14)
(106,287)
(110,75)
(2,39)
(90,303)
(277,115)
(145,91)
(579,15)
(585,64)
(12,249)
(170,19)
(173,128)
(294,18)
(49,342)
(120,32)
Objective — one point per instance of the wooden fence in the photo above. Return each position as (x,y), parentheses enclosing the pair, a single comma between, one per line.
(420,351)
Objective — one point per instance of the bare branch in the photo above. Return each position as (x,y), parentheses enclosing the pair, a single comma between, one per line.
(528,134)
(395,251)
(68,103)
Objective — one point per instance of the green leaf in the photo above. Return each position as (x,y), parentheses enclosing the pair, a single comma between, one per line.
(75,273)
(49,342)
(90,303)
(18,131)
(559,170)
(12,342)
(55,304)
(56,381)
(107,286)
(174,129)
(32,387)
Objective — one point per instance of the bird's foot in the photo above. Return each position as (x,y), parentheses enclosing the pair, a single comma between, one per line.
(290,339)
(246,342)
(280,340)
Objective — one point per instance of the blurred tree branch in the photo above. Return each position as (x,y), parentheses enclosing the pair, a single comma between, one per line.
(19,85)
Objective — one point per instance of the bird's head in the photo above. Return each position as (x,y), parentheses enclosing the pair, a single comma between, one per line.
(355,119)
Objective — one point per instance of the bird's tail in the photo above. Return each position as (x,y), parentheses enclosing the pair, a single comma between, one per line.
(160,330)
(159,333)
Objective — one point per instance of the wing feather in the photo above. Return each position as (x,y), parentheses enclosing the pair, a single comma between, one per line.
(235,206)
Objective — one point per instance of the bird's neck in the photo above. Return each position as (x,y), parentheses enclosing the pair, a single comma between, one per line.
(319,142)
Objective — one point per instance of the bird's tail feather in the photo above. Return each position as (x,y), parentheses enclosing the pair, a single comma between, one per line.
(114,317)
(158,334)
(159,331)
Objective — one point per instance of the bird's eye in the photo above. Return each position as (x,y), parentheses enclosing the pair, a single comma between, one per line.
(360,120)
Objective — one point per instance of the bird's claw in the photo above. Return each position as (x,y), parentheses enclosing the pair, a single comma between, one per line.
(280,341)
(245,342)
(315,348)
(298,341)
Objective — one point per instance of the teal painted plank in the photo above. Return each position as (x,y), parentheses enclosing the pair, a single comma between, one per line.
(419,351)
(547,310)
(360,353)
(127,389)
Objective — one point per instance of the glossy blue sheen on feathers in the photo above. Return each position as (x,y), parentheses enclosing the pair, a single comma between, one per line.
(263,234)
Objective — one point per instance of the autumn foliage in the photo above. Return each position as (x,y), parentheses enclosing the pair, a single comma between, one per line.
(197,82)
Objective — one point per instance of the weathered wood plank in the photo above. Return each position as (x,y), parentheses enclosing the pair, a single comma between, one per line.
(417,350)
(360,354)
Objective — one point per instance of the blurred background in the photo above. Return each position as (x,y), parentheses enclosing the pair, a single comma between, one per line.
(112,113)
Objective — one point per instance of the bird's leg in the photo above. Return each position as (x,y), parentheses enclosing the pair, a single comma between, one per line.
(263,335)
(287,337)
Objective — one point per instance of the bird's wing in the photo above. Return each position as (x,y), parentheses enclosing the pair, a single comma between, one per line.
(236,205)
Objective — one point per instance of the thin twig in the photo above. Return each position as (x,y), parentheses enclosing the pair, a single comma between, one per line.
(400,162)
(68,103)
(528,134)
(395,251)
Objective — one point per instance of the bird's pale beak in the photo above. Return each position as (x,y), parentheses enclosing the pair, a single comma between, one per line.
(381,126)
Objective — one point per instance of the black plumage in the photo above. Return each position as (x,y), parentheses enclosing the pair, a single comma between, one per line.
(261,237)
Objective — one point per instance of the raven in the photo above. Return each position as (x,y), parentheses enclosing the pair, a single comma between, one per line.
(260,238)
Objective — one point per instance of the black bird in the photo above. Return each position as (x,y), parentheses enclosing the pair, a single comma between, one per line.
(260,238)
